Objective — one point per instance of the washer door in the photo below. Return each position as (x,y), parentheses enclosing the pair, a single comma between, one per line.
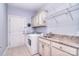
(29,42)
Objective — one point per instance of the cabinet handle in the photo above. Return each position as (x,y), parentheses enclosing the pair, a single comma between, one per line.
(42,46)
(60,47)
(44,21)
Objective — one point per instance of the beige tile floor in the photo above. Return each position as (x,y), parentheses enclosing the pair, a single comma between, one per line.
(18,51)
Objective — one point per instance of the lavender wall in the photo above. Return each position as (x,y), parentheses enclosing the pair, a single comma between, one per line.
(62,24)
(19,12)
(40,29)
(3,27)
(22,13)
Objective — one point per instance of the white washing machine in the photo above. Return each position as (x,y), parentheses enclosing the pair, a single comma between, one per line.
(33,43)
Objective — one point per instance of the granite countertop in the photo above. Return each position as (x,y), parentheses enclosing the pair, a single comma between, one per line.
(72,41)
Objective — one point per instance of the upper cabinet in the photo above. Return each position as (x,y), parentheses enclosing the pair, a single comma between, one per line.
(39,19)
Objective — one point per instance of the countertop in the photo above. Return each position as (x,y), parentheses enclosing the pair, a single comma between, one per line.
(72,41)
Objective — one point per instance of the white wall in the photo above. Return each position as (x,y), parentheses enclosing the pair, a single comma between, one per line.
(3,27)
(62,24)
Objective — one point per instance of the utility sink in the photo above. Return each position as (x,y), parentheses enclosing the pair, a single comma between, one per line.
(49,35)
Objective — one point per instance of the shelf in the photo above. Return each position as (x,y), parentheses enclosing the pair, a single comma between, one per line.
(64,11)
(38,26)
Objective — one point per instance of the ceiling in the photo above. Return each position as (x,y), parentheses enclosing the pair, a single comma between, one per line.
(28,6)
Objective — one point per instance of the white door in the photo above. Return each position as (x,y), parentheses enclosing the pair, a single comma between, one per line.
(15,30)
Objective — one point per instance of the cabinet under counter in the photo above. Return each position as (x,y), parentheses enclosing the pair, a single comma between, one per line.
(63,48)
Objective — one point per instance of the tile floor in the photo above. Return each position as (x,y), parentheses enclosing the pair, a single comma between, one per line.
(18,51)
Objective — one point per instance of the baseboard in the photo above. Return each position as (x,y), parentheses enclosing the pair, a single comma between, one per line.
(5,51)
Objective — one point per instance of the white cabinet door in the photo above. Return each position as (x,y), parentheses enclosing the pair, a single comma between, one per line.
(46,50)
(65,48)
(42,20)
(56,52)
(44,47)
(41,48)
(33,21)
(39,19)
